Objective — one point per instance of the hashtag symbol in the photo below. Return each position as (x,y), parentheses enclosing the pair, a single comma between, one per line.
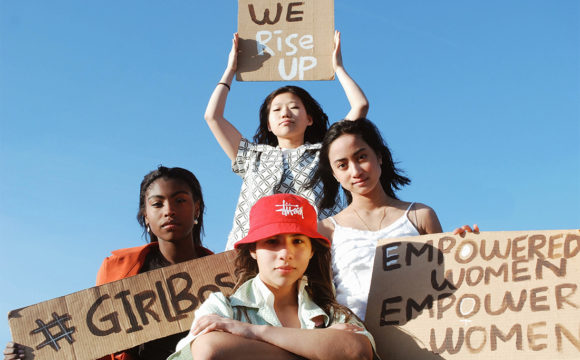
(50,338)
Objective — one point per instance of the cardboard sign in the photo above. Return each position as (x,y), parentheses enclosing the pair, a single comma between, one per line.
(105,319)
(285,40)
(493,295)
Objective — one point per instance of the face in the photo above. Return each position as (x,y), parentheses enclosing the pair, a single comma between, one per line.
(355,164)
(282,259)
(288,117)
(170,210)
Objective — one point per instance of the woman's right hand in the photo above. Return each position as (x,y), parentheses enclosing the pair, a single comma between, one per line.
(233,56)
(13,351)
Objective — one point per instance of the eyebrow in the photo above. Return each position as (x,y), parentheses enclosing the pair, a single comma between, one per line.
(172,195)
(355,153)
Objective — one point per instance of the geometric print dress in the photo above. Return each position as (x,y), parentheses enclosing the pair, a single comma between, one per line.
(267,170)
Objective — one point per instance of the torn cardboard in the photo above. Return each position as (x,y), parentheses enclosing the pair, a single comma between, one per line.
(116,316)
(501,295)
(285,40)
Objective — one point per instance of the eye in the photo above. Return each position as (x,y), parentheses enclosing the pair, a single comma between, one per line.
(181,200)
(363,156)
(276,109)
(300,239)
(157,204)
(271,241)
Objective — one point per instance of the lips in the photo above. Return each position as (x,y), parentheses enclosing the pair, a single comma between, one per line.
(172,224)
(360,182)
(285,269)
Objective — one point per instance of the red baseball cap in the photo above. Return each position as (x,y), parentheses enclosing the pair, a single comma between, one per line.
(282,214)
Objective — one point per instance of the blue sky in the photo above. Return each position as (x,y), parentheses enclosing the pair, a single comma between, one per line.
(478,100)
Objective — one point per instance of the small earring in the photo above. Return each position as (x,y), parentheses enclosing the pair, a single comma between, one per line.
(195,221)
(148,229)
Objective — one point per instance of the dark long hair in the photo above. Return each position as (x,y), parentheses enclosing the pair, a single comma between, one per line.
(392,178)
(318,273)
(314,133)
(174,173)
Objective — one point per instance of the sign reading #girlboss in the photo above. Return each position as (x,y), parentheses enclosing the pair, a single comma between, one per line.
(116,316)
(285,40)
(494,295)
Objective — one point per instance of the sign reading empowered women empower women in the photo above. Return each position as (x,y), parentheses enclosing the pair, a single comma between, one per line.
(493,295)
(285,40)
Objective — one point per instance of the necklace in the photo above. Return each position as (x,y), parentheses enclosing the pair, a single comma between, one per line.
(367,226)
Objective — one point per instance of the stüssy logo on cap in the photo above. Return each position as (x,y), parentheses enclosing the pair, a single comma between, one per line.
(287,209)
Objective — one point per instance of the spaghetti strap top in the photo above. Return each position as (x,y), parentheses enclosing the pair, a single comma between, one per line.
(353,256)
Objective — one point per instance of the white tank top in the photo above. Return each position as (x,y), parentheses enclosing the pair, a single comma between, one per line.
(353,257)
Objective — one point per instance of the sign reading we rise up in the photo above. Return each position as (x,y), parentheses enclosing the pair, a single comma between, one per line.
(285,40)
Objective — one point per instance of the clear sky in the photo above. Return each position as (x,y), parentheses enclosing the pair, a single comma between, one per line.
(478,100)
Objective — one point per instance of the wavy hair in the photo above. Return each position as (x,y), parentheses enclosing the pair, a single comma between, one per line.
(391,179)
(319,286)
(314,133)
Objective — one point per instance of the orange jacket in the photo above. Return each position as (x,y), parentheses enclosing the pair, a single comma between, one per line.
(124,263)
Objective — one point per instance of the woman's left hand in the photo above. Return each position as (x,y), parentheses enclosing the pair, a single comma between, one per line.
(208,323)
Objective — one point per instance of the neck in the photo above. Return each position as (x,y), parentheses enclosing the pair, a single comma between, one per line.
(176,252)
(284,296)
(372,200)
(287,143)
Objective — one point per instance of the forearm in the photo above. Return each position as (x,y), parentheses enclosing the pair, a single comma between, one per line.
(316,343)
(225,133)
(222,345)
(359,104)
(217,102)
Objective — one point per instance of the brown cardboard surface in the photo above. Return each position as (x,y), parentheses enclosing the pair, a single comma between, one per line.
(494,295)
(116,316)
(285,40)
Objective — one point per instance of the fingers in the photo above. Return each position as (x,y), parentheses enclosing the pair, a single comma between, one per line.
(465,229)
(346,327)
(13,351)
(206,324)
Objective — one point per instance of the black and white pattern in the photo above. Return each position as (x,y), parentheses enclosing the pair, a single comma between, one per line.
(267,170)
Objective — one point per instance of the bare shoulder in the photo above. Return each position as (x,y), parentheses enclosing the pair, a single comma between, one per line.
(426,219)
(326,228)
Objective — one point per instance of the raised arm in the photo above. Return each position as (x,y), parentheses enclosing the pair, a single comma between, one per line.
(225,133)
(359,104)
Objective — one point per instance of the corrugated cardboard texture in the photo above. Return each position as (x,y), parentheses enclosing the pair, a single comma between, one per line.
(494,295)
(285,40)
(116,316)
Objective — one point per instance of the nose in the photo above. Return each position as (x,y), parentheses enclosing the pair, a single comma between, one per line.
(286,251)
(355,170)
(284,111)
(169,210)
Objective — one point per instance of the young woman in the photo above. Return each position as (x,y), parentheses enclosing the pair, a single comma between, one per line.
(354,155)
(283,306)
(284,154)
(171,211)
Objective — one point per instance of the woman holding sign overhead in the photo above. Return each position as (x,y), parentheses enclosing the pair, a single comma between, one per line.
(284,152)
